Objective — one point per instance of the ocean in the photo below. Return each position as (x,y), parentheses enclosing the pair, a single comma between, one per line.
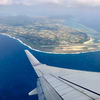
(18,78)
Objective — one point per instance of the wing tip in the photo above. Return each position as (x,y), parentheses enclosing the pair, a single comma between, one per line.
(25,50)
(32,59)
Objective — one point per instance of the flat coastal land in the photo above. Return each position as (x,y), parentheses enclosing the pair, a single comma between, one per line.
(49,35)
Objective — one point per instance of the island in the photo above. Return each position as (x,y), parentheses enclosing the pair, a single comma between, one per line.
(47,34)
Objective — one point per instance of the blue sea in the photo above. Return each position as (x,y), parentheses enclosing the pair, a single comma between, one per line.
(18,78)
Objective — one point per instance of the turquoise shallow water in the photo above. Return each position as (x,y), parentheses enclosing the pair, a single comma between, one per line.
(92,33)
(17,77)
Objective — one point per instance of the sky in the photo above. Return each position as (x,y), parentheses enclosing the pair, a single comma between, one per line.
(51,7)
(67,3)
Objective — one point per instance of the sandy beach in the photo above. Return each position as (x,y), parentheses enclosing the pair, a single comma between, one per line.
(90,41)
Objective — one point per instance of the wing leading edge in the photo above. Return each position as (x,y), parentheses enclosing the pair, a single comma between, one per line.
(64,84)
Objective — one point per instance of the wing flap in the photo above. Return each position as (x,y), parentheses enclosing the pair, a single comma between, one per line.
(66,91)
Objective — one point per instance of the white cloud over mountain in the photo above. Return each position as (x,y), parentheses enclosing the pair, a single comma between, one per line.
(59,2)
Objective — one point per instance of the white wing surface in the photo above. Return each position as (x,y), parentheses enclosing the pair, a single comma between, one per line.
(64,84)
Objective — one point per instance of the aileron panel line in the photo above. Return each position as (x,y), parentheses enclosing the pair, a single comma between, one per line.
(79,86)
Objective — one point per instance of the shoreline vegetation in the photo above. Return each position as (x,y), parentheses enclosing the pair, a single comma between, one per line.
(50,35)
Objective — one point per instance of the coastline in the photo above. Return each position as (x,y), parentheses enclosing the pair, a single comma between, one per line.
(68,52)
(88,28)
(87,42)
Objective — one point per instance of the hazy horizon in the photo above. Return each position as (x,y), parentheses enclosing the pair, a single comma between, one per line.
(51,7)
(83,10)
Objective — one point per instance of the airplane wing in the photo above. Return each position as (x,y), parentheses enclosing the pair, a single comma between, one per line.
(64,84)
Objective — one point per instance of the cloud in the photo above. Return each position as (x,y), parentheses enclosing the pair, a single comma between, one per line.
(89,2)
(5,2)
(59,2)
(36,2)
